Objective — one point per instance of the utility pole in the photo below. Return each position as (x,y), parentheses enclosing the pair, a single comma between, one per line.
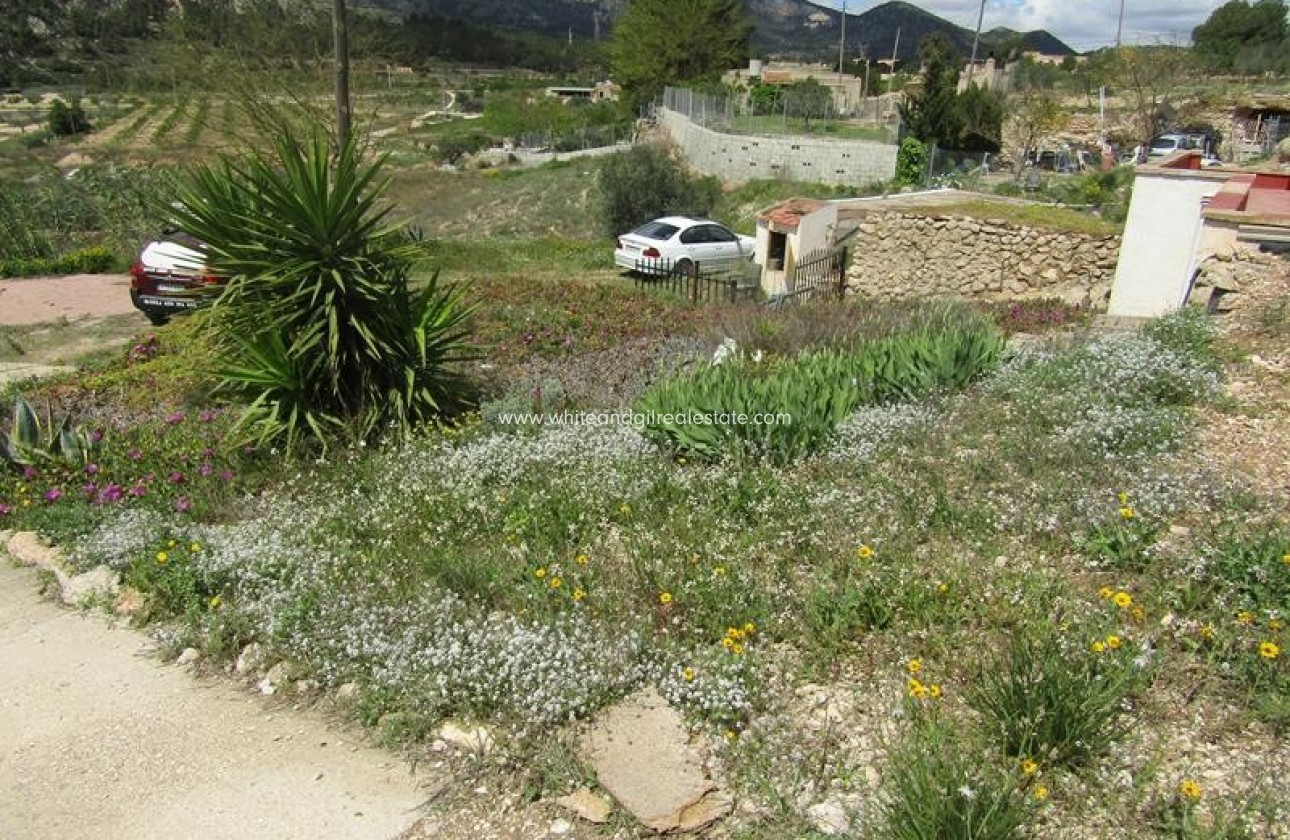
(842,42)
(976,38)
(895,50)
(340,44)
(1119,27)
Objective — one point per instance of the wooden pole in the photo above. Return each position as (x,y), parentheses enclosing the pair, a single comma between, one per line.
(340,44)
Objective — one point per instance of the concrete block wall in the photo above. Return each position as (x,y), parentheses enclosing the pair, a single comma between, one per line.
(738,157)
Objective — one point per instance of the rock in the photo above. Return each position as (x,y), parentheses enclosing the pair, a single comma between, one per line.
(303,687)
(641,754)
(97,582)
(347,693)
(586,805)
(129,602)
(249,659)
(30,550)
(274,679)
(188,656)
(474,739)
(559,828)
(829,818)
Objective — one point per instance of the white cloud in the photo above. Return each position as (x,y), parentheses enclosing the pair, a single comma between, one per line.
(1082,24)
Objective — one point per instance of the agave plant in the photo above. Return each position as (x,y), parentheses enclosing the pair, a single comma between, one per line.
(322,328)
(29,442)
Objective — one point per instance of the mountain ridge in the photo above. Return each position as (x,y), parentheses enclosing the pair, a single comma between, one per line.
(785,28)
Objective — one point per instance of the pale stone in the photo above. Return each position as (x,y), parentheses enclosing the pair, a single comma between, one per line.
(586,805)
(249,659)
(29,549)
(97,582)
(129,602)
(188,656)
(641,754)
(829,818)
(274,679)
(474,739)
(559,828)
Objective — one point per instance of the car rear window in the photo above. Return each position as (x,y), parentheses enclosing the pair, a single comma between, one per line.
(656,230)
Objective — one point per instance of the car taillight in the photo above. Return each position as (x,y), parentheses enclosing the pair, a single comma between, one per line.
(652,253)
(136,275)
(212,279)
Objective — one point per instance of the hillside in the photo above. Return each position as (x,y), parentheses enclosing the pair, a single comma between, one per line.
(784,27)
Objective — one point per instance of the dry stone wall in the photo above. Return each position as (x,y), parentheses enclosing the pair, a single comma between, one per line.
(899,255)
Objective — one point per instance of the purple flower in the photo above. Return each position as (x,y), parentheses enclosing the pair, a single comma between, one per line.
(205,469)
(207,416)
(175,478)
(53,494)
(111,493)
(182,504)
(174,419)
(29,473)
(91,469)
(135,455)
(89,488)
(97,436)
(227,475)
(138,490)
(5,510)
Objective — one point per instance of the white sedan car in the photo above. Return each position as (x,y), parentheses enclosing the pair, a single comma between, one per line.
(682,245)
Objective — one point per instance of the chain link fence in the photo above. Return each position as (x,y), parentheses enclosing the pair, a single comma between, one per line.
(872,119)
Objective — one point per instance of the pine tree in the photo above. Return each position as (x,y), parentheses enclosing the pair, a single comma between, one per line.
(661,42)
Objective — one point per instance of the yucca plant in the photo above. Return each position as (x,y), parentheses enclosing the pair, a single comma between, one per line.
(30,442)
(322,329)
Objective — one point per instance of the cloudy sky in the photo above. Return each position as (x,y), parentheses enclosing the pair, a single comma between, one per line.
(1083,24)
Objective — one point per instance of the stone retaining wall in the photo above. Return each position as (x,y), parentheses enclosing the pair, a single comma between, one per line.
(901,255)
(739,157)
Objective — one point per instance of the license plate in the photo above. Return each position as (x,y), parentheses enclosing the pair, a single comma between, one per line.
(167,303)
(171,288)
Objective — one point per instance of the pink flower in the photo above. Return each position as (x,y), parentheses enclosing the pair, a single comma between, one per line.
(135,455)
(205,469)
(91,469)
(29,473)
(5,510)
(138,490)
(207,416)
(174,419)
(182,504)
(111,493)
(96,436)
(176,478)
(227,475)
(53,494)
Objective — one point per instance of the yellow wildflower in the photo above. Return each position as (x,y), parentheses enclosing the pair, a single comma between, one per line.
(539,573)
(916,689)
(687,674)
(215,602)
(1206,632)
(1098,646)
(555,582)
(1285,558)
(1040,793)
(1113,642)
(1126,513)
(194,547)
(163,557)
(1190,789)
(582,560)
(665,598)
(934,691)
(1269,650)
(1122,497)
(915,665)
(624,508)
(1029,767)
(750,628)
(942,587)
(719,571)
(727,642)
(1245,617)
(736,649)
(864,552)
(1123,600)
(1138,613)
(1106,593)
(171,543)
(578,594)
(1275,624)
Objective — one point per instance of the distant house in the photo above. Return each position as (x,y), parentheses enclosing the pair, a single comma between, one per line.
(601,92)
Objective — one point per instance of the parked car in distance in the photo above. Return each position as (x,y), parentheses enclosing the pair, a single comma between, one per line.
(683,245)
(170,277)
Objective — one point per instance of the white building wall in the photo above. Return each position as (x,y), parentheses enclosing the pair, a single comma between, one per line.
(1158,251)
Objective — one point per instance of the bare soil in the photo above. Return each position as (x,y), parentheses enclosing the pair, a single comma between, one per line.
(38,300)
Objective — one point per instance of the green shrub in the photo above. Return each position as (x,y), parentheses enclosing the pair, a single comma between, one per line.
(67,120)
(709,413)
(911,160)
(645,182)
(84,261)
(322,331)
(453,147)
(1055,696)
(936,787)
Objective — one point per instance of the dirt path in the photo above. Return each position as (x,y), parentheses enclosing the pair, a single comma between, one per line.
(37,300)
(100,741)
